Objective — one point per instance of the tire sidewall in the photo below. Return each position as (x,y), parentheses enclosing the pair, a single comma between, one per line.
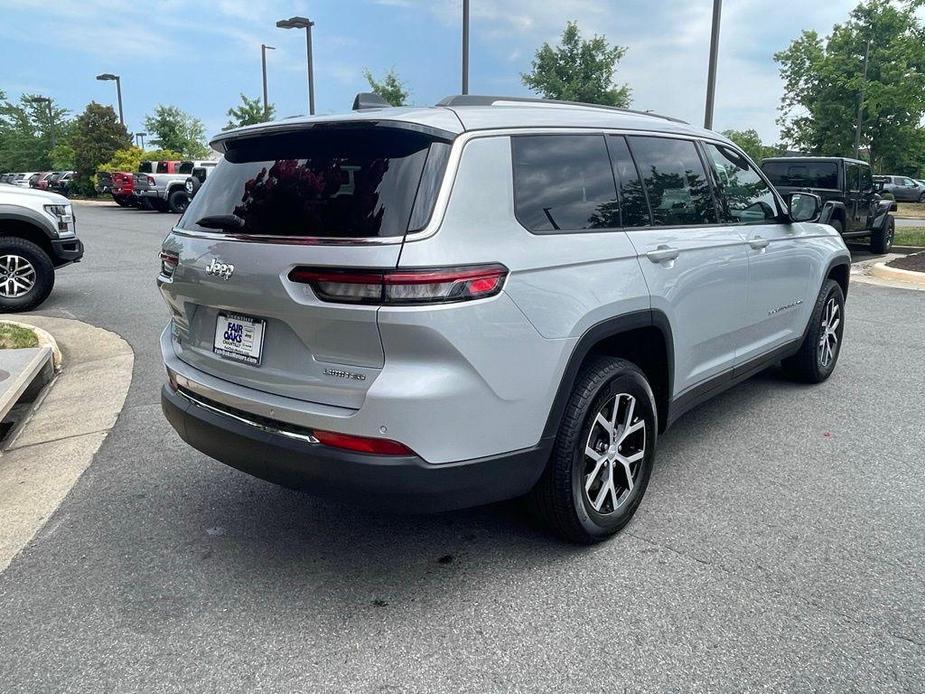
(595,524)
(832,289)
(44,271)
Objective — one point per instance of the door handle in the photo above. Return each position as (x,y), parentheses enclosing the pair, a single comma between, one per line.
(662,254)
(758,243)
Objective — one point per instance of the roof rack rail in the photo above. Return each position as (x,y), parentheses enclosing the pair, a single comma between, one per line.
(480,100)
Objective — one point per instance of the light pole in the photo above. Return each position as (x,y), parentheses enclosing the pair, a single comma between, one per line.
(263,61)
(105,77)
(711,73)
(51,118)
(857,131)
(141,137)
(465,48)
(307,24)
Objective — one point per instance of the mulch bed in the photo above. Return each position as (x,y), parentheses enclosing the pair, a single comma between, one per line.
(915,262)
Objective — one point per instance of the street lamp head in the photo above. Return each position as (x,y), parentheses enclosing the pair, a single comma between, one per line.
(107,76)
(268,48)
(295,23)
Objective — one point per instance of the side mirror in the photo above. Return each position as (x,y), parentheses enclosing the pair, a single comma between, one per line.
(804,207)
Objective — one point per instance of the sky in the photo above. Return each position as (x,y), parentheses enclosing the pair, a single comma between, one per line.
(201,55)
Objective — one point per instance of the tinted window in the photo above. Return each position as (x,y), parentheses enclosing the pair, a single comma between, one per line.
(162,167)
(743,195)
(186,167)
(811,174)
(633,206)
(853,172)
(145,167)
(563,182)
(674,179)
(867,181)
(356,183)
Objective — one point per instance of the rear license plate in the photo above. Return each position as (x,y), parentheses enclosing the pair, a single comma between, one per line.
(239,337)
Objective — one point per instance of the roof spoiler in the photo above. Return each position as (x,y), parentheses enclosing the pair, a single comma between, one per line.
(365,100)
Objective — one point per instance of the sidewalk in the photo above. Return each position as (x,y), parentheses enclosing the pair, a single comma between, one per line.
(64,432)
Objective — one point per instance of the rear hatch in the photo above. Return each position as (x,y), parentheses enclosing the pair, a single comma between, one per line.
(330,198)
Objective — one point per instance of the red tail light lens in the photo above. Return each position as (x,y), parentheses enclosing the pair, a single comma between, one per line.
(361,444)
(403,287)
(169,262)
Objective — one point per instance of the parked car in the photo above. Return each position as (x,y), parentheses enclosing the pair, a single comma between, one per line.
(6,178)
(122,187)
(38,235)
(43,180)
(903,188)
(194,182)
(494,301)
(62,184)
(145,180)
(34,178)
(167,190)
(22,179)
(852,204)
(103,184)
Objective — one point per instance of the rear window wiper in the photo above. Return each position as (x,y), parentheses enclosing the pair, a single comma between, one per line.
(221,221)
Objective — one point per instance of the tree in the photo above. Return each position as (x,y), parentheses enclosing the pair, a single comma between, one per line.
(174,129)
(27,130)
(249,112)
(129,158)
(578,70)
(98,134)
(390,88)
(750,143)
(824,78)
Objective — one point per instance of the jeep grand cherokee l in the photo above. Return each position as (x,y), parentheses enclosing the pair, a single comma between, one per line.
(430,308)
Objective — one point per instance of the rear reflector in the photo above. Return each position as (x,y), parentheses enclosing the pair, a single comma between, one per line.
(361,444)
(415,286)
(169,262)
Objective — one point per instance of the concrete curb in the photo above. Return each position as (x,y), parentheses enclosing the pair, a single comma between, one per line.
(25,371)
(108,203)
(46,339)
(895,274)
(61,436)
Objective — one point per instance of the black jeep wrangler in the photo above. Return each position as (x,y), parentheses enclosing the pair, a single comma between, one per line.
(851,203)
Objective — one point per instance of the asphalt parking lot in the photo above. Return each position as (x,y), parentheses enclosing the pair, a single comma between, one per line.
(780,546)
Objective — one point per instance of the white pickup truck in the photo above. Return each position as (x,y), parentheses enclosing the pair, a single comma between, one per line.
(165,189)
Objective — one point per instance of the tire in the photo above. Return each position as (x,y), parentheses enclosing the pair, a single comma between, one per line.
(882,241)
(23,262)
(809,364)
(121,200)
(922,198)
(159,204)
(178,201)
(606,387)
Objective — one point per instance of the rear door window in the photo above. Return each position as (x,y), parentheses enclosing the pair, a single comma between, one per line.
(563,183)
(325,183)
(812,174)
(186,167)
(675,181)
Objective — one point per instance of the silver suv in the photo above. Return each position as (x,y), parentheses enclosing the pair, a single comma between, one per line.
(431,308)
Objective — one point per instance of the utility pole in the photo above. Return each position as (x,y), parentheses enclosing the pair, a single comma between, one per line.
(857,132)
(465,48)
(711,73)
(263,62)
(307,24)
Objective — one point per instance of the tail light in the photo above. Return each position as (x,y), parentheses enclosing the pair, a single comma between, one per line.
(151,181)
(403,287)
(169,262)
(361,444)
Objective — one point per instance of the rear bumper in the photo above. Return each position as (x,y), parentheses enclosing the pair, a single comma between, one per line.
(398,483)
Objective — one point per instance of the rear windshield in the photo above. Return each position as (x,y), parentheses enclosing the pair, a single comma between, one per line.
(326,183)
(810,174)
(185,167)
(145,167)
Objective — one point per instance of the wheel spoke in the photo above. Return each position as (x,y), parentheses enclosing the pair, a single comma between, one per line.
(632,429)
(604,423)
(613,414)
(601,495)
(589,481)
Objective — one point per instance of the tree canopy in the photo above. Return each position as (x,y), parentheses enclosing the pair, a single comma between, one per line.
(97,136)
(824,79)
(750,142)
(170,128)
(389,87)
(27,130)
(578,70)
(249,112)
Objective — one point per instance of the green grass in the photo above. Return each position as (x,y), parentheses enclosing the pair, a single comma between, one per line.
(909,236)
(16,337)
(910,209)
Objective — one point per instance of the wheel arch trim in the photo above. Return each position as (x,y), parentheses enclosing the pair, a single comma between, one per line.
(593,336)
